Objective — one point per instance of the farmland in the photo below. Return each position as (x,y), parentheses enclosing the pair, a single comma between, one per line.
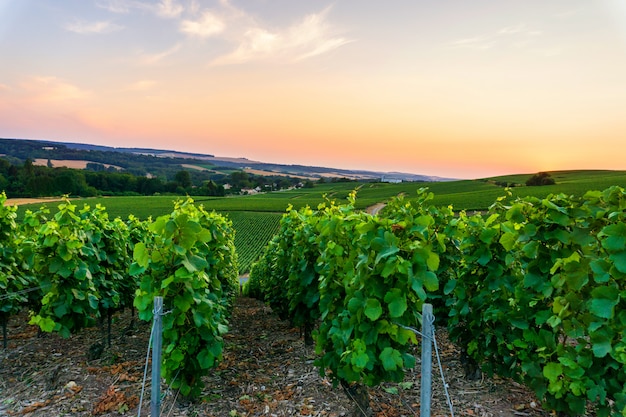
(514,283)
(255,217)
(462,195)
(254,230)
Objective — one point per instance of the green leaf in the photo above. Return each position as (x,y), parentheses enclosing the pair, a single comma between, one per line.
(373,309)
(222,329)
(183,302)
(569,362)
(604,301)
(432,262)
(82,272)
(189,266)
(355,304)
(78,294)
(360,360)
(404,335)
(484,255)
(430,281)
(391,359)
(205,359)
(93,301)
(136,269)
(64,253)
(449,287)
(531,249)
(553,371)
(386,252)
(199,319)
(142,303)
(615,237)
(61,310)
(46,324)
(600,268)
(140,255)
(600,344)
(391,390)
(396,302)
(416,285)
(385,246)
(487,234)
(204,236)
(390,268)
(519,323)
(619,260)
(409,362)
(176,356)
(197,262)
(534,281)
(508,240)
(168,281)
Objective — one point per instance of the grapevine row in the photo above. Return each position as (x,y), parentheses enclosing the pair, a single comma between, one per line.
(534,289)
(77,267)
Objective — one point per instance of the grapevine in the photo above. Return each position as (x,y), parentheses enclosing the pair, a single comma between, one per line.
(188,258)
(13,282)
(535,289)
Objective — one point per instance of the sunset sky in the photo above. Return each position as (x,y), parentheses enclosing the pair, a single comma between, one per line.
(452,88)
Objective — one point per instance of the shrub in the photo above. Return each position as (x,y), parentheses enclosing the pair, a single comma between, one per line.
(541,178)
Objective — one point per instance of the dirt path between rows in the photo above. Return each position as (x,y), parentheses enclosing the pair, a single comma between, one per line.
(266,371)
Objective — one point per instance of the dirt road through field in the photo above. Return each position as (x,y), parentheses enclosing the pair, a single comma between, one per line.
(373,210)
(20,201)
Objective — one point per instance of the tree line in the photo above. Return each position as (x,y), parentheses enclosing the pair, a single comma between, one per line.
(29,180)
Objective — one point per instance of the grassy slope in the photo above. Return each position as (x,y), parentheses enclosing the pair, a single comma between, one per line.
(255,217)
(465,194)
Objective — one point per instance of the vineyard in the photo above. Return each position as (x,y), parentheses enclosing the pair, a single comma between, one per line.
(72,269)
(461,194)
(254,230)
(532,289)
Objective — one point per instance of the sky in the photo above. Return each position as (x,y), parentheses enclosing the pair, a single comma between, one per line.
(450,88)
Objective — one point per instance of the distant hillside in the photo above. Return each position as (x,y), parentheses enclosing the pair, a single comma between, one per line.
(145,161)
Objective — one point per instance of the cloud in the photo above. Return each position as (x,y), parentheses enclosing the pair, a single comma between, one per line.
(164,8)
(151,59)
(518,36)
(250,39)
(88,28)
(4,87)
(476,42)
(325,46)
(116,6)
(310,37)
(519,30)
(53,89)
(208,25)
(169,9)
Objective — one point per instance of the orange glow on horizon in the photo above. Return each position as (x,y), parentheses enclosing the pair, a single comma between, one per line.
(480,97)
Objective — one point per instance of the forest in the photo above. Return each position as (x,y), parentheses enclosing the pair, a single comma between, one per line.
(29,180)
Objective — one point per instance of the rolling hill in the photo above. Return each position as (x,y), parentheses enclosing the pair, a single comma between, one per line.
(147,161)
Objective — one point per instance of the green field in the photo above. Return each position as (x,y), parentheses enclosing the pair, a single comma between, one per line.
(462,195)
(255,217)
(252,232)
